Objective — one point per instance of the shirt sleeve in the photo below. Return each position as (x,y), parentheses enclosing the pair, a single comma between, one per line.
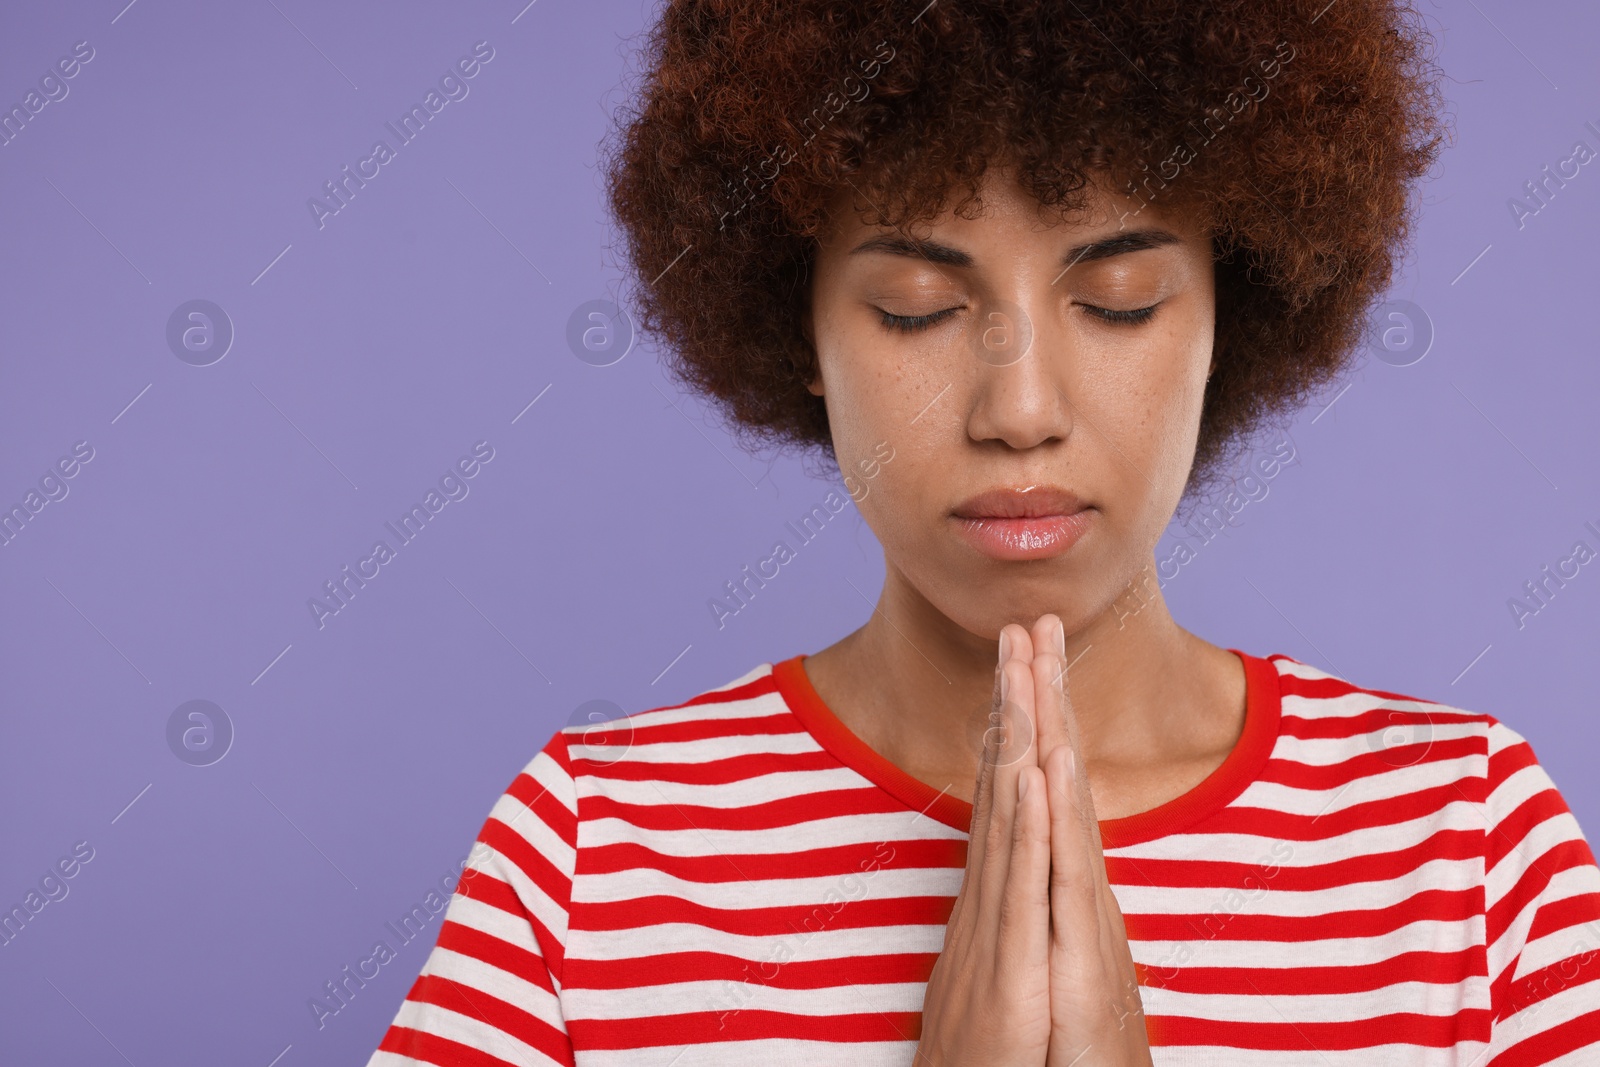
(1542,929)
(489,993)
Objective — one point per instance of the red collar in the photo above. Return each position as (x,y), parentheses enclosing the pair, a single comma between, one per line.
(1263,705)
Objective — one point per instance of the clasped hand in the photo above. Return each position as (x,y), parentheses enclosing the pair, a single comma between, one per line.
(1035,968)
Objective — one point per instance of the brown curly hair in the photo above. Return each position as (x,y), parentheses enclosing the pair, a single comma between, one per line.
(1292,129)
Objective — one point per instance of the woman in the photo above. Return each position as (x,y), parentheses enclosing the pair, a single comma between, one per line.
(1029,274)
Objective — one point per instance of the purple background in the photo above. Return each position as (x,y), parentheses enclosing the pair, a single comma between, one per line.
(371,354)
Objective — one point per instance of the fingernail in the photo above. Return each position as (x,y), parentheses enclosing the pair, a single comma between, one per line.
(1002,682)
(1005,646)
(1022,786)
(1061,639)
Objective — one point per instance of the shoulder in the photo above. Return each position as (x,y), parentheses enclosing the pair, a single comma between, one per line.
(1417,773)
(603,765)
(602,742)
(1335,723)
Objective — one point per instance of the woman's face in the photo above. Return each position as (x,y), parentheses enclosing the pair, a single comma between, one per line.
(1018,361)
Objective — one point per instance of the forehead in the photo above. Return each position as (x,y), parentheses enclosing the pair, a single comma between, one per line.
(1118,222)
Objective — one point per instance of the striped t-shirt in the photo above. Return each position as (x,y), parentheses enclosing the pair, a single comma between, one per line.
(1367,879)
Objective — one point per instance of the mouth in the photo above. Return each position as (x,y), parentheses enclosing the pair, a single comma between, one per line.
(1023,523)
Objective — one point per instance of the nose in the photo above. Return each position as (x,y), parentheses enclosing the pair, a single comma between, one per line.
(1018,359)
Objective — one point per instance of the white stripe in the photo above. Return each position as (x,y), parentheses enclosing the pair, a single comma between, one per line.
(1424,998)
(1502,737)
(1558,945)
(494,982)
(814,942)
(762,706)
(1425,935)
(1261,897)
(468,1030)
(1399,782)
(1331,751)
(878,883)
(675,998)
(525,823)
(534,899)
(706,750)
(496,922)
(1542,1015)
(733,795)
(1363,841)
(772,1051)
(1359,702)
(1538,840)
(797,837)
(553,779)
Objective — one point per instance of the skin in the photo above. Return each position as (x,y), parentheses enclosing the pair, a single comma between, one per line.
(1110,411)
(1035,966)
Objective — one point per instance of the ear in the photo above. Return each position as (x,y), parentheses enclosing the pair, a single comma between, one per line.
(808,330)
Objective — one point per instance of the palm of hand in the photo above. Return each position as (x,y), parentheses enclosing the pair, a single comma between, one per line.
(1036,967)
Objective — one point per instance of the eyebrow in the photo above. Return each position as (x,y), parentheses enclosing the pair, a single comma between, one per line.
(934,252)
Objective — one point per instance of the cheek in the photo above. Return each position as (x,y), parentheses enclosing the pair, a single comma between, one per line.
(891,444)
(878,393)
(1140,413)
(902,501)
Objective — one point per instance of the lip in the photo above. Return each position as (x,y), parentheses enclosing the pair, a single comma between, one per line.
(1022,502)
(1022,523)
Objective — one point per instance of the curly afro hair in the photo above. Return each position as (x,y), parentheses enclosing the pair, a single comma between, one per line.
(1292,129)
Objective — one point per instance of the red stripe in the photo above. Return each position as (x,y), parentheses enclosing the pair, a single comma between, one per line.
(1534,880)
(866,799)
(487,889)
(429,1048)
(1282,826)
(1557,915)
(549,810)
(839,913)
(920,846)
(513,959)
(1331,688)
(544,874)
(1428,1031)
(1415,720)
(670,967)
(748,1024)
(1440,968)
(1244,922)
(507,1018)
(1369,867)
(818,862)
(1371,764)
(624,732)
(713,771)
(1544,1046)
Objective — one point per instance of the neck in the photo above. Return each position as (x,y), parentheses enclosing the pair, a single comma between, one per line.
(1146,693)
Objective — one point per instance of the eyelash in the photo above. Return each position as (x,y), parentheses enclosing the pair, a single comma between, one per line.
(1132,317)
(909,323)
(912,323)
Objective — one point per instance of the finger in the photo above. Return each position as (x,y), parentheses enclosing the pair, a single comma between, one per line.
(988,759)
(1022,938)
(983,787)
(983,792)
(1074,893)
(1111,929)
(1083,797)
(1015,739)
(1051,685)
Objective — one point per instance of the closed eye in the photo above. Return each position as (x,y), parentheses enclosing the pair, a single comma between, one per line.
(910,323)
(1131,317)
